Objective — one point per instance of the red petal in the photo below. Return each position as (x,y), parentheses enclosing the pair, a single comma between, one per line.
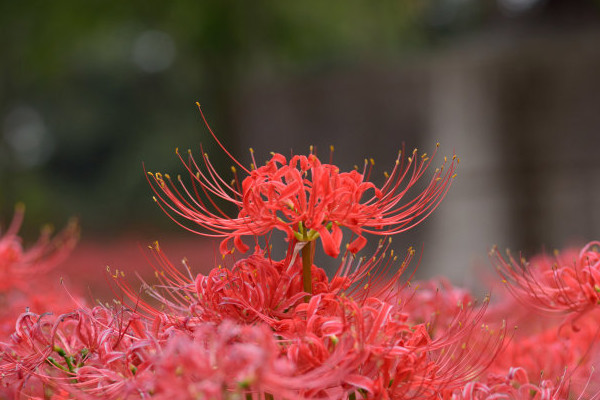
(331,241)
(357,244)
(223,247)
(241,246)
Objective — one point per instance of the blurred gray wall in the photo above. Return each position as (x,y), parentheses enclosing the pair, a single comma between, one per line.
(521,107)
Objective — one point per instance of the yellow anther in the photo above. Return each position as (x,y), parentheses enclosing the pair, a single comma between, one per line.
(167,176)
(454,176)
(437,144)
(154,197)
(331,148)
(372,161)
(251,150)
(233,169)
(386,175)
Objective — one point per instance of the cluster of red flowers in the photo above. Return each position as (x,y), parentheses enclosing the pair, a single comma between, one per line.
(260,328)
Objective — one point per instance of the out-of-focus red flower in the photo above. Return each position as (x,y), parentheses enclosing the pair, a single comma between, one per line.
(554,351)
(25,283)
(515,385)
(20,266)
(225,361)
(569,282)
(304,198)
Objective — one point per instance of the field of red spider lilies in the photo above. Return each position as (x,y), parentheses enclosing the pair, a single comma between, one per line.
(256,327)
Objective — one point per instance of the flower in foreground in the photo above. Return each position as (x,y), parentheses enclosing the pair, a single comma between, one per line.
(305,198)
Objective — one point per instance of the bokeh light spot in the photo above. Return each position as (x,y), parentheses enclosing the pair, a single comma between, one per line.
(153,51)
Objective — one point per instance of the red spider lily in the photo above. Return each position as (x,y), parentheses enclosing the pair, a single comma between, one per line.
(567,282)
(384,356)
(257,288)
(86,353)
(225,360)
(514,385)
(549,351)
(436,303)
(18,266)
(304,198)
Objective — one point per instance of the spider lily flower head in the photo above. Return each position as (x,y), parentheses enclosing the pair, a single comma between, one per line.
(303,197)
(89,353)
(256,288)
(568,282)
(19,266)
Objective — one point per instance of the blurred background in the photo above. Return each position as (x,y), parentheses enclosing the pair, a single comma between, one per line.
(89,91)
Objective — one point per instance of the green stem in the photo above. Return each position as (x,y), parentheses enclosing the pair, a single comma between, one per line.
(307,261)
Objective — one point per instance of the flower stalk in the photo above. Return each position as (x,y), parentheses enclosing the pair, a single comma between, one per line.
(308,255)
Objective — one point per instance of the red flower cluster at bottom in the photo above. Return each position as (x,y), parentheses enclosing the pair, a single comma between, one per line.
(259,328)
